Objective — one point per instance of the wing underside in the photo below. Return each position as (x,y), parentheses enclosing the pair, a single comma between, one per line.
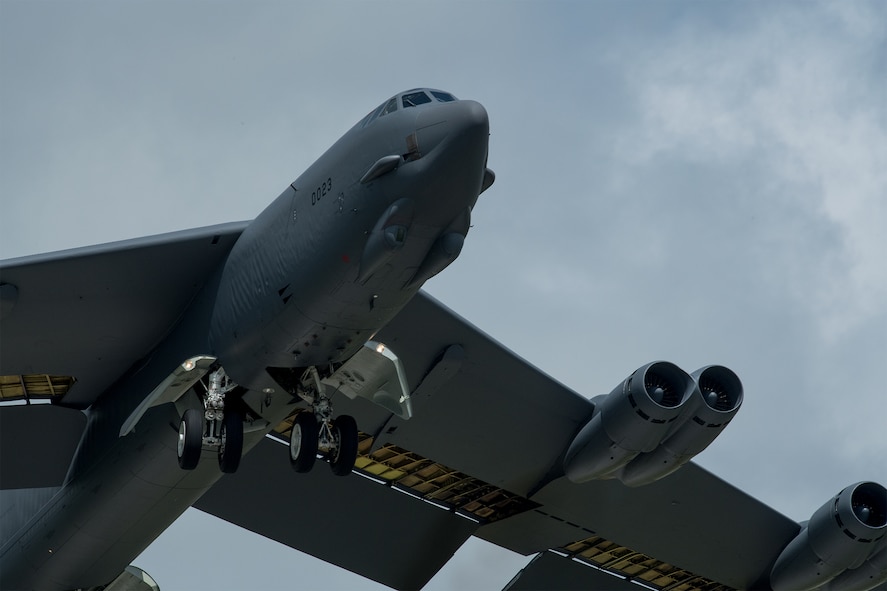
(481,456)
(352,522)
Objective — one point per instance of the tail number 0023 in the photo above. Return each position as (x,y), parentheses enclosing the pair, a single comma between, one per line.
(322,190)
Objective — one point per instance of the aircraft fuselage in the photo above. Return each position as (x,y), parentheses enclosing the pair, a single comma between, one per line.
(309,282)
(326,265)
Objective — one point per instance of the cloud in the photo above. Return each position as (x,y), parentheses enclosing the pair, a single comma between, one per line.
(804,107)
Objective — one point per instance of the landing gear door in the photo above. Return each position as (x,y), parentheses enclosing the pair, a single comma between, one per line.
(374,373)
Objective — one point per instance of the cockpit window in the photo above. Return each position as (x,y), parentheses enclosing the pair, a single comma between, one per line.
(444,97)
(390,107)
(372,115)
(413,99)
(387,107)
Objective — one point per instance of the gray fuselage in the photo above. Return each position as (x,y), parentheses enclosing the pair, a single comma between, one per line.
(326,265)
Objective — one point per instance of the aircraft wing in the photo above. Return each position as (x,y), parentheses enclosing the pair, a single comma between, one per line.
(84,316)
(481,456)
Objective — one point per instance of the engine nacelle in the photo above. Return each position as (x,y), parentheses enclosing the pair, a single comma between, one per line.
(842,535)
(715,402)
(132,579)
(872,573)
(634,418)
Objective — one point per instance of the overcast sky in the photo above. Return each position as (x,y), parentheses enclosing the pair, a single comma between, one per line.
(696,182)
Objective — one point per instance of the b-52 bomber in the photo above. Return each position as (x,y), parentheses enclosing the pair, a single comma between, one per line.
(262,350)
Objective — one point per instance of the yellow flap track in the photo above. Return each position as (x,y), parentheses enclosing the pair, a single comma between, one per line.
(611,557)
(430,481)
(439,484)
(34,387)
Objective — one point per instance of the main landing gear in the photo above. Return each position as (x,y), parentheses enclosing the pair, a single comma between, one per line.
(316,432)
(222,429)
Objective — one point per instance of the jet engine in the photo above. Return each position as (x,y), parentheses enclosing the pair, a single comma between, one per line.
(634,418)
(653,423)
(715,402)
(843,542)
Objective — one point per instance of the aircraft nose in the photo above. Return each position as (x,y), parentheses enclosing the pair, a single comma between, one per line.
(462,122)
(469,118)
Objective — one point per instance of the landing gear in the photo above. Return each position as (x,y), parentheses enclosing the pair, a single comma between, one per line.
(222,428)
(318,433)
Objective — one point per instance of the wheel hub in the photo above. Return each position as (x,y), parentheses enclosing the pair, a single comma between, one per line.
(180,445)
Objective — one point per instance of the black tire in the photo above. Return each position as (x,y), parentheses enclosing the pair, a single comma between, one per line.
(345,428)
(231,448)
(190,439)
(303,442)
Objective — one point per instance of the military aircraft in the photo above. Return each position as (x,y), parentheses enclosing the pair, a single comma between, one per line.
(303,336)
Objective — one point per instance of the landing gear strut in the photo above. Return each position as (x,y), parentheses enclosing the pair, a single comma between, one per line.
(222,429)
(315,431)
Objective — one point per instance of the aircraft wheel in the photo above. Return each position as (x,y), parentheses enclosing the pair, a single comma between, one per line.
(190,439)
(231,448)
(342,462)
(303,442)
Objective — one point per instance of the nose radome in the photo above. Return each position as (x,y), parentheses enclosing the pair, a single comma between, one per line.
(460,121)
(459,115)
(470,116)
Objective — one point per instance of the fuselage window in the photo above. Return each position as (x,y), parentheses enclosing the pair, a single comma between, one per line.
(415,98)
(444,97)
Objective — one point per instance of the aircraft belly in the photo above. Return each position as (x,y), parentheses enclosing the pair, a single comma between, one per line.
(296,290)
(295,304)
(121,492)
(19,505)
(102,520)
(352,311)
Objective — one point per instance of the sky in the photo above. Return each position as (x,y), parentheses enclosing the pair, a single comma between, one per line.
(695,182)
